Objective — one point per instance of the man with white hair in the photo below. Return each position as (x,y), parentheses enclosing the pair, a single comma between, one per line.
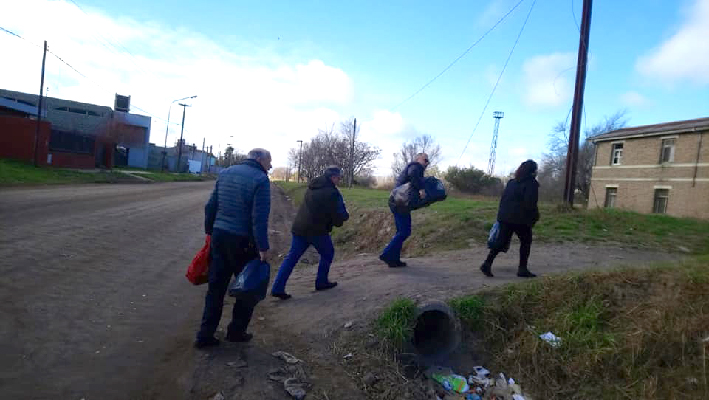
(236,217)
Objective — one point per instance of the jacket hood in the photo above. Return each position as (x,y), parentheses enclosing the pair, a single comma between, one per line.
(320,182)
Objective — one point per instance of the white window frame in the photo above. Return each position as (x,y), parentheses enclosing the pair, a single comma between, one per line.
(613,150)
(615,197)
(672,152)
(654,199)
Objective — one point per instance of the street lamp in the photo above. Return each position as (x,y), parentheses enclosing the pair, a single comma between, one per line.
(182,130)
(167,127)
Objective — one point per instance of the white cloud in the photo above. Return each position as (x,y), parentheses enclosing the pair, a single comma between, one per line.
(633,99)
(261,98)
(685,55)
(386,130)
(548,79)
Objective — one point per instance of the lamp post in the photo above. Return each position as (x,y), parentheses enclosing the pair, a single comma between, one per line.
(167,127)
(179,152)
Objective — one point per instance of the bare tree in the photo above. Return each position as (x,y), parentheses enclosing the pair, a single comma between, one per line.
(553,166)
(421,144)
(279,173)
(330,148)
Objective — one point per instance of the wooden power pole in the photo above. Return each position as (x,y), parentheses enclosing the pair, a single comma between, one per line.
(39,108)
(572,154)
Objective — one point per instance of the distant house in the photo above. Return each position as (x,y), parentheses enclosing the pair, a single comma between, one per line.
(81,135)
(661,169)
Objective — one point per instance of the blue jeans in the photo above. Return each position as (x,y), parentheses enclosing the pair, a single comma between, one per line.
(229,253)
(323,244)
(403,230)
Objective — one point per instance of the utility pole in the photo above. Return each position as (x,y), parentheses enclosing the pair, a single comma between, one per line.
(167,128)
(572,154)
(300,158)
(201,165)
(182,130)
(39,108)
(498,115)
(352,153)
(209,159)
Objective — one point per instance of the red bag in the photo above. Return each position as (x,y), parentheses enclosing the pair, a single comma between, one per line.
(197,272)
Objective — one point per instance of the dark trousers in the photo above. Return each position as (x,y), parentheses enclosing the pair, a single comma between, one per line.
(322,243)
(403,230)
(230,253)
(523,232)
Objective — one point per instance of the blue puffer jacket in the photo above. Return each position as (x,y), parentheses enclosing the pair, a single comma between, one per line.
(241,202)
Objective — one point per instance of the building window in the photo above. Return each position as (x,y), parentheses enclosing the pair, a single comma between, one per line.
(617,154)
(667,153)
(71,142)
(660,203)
(611,194)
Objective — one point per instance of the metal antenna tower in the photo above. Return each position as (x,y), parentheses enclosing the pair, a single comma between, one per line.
(498,115)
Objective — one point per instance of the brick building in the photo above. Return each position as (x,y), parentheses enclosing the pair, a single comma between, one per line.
(661,168)
(80,135)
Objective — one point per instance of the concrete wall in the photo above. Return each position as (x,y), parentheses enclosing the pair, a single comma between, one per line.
(640,173)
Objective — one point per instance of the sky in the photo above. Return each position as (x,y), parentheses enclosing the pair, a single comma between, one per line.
(269,73)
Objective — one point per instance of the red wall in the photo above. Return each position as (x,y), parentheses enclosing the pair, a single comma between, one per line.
(17,139)
(17,142)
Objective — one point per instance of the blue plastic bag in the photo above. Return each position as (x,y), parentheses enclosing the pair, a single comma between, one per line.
(494,239)
(435,191)
(252,282)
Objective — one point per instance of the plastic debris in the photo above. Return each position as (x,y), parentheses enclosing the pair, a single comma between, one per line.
(348,356)
(551,338)
(480,377)
(218,396)
(452,382)
(290,359)
(295,388)
(480,385)
(349,324)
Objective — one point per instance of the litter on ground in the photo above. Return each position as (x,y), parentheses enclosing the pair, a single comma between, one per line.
(479,385)
(551,338)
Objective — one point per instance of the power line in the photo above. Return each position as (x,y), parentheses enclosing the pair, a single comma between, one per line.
(422,88)
(498,79)
(79,72)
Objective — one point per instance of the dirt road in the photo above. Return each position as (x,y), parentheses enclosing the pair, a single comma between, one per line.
(92,288)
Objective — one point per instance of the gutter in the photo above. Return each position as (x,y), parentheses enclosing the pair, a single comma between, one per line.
(641,135)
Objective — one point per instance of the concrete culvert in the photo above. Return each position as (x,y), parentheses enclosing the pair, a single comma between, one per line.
(436,331)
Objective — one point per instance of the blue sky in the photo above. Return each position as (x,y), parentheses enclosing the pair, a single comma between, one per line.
(272,72)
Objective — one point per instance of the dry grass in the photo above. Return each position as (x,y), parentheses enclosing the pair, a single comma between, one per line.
(626,334)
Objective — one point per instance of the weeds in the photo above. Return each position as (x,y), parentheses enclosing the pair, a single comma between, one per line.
(470,310)
(395,324)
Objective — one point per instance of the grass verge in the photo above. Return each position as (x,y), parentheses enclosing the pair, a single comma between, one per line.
(18,173)
(632,333)
(371,225)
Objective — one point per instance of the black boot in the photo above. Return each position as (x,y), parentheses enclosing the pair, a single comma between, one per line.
(325,286)
(486,268)
(523,272)
(206,342)
(238,337)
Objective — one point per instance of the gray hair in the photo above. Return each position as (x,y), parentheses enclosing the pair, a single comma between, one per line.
(259,154)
